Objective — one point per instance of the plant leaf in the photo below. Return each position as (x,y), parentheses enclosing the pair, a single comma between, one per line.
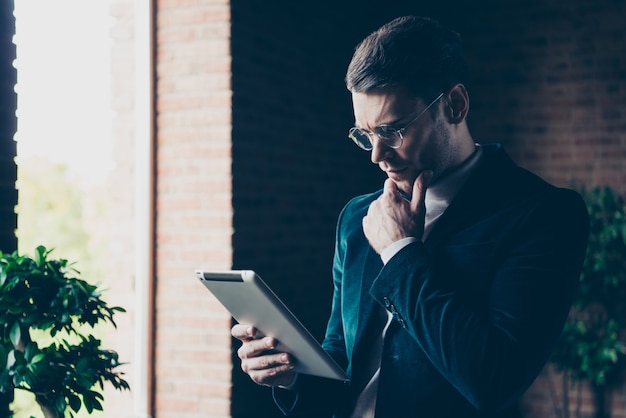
(74,402)
(16,334)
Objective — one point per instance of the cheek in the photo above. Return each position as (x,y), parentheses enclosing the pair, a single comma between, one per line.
(424,153)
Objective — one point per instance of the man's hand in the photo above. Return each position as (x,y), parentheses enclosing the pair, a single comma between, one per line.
(264,366)
(391,217)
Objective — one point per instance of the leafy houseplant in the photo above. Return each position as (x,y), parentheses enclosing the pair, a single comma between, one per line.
(592,344)
(40,299)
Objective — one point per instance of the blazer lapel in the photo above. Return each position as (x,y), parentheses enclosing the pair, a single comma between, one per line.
(471,200)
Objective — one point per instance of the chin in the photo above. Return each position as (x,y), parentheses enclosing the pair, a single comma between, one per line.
(404,186)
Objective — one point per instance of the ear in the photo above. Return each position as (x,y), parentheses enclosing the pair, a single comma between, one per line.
(458,106)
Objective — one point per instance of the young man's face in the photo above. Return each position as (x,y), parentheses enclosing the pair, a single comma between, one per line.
(426,143)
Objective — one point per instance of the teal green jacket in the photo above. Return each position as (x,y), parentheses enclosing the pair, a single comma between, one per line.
(477,308)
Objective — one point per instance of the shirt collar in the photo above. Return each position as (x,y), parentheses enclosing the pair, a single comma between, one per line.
(446,188)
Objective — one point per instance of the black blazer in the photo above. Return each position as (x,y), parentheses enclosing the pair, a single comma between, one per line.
(477,307)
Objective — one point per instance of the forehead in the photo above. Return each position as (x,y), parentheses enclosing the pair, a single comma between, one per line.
(381,106)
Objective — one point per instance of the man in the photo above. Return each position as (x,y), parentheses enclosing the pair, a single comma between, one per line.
(452,284)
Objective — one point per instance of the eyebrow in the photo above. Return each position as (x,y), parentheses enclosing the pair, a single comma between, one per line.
(394,123)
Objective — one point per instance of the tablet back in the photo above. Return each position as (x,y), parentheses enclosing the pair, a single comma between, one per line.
(250,301)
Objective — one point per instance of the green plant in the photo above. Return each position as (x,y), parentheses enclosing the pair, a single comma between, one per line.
(592,344)
(41,296)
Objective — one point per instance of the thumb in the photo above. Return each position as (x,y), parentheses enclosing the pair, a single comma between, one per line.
(419,190)
(390,187)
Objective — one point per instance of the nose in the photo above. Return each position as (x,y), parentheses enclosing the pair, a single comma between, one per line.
(380,152)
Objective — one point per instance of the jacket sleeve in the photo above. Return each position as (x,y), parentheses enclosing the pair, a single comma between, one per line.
(314,395)
(491,348)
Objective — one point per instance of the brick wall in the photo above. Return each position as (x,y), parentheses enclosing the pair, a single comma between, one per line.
(193,206)
(8,126)
(545,399)
(550,82)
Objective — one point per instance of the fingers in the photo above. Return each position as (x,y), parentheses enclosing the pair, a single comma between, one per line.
(255,348)
(266,369)
(419,191)
(258,358)
(264,366)
(243,332)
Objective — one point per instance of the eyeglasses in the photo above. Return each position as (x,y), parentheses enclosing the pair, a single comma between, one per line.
(390,136)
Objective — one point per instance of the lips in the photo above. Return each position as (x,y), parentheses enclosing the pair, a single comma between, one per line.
(395,173)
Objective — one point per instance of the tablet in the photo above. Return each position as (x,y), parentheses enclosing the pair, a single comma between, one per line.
(250,301)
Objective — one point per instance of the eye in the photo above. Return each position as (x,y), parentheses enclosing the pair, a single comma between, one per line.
(386,131)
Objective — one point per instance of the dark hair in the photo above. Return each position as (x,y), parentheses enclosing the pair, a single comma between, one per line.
(414,52)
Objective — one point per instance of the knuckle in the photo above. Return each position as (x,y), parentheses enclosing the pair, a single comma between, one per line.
(255,377)
(241,352)
(258,378)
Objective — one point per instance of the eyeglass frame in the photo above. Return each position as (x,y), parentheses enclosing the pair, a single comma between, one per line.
(398,133)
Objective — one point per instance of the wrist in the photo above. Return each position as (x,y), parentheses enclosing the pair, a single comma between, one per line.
(387,253)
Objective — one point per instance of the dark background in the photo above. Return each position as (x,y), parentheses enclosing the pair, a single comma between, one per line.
(547,81)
